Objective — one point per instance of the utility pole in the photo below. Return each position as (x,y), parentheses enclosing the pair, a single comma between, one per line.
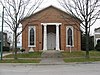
(2,34)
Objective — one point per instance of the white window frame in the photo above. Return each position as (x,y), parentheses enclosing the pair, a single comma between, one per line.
(29,28)
(71,27)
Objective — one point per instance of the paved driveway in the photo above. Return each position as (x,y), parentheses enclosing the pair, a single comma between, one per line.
(68,69)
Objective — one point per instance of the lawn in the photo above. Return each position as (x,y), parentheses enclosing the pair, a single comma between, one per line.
(35,57)
(32,57)
(73,54)
(81,60)
(20,61)
(25,55)
(79,56)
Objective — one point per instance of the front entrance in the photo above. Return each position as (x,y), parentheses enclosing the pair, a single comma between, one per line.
(51,33)
(51,37)
(51,41)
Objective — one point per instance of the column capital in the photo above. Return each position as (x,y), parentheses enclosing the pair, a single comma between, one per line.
(44,24)
(57,24)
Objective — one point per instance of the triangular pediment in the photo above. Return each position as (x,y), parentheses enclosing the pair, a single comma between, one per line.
(50,12)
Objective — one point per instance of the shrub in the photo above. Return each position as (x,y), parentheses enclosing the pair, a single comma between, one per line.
(83,42)
(98,46)
(6,48)
(22,50)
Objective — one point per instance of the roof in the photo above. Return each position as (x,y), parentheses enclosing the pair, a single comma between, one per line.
(50,7)
(3,33)
(97,28)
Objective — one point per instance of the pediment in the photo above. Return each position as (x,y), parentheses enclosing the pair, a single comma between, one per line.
(50,12)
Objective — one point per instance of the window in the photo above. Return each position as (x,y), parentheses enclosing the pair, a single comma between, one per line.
(31,36)
(69,32)
(69,36)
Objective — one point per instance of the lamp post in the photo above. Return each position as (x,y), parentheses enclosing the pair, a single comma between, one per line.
(2,34)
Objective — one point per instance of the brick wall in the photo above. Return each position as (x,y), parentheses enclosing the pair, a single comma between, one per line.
(51,15)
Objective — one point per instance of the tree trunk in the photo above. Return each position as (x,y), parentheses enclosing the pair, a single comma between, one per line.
(87,44)
(15,51)
(86,31)
(87,39)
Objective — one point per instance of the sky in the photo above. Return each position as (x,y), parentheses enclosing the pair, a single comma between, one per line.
(55,3)
(47,3)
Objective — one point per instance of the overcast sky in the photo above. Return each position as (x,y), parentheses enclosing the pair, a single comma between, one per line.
(45,4)
(55,3)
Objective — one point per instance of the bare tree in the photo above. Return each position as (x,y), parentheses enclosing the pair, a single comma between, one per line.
(88,11)
(15,11)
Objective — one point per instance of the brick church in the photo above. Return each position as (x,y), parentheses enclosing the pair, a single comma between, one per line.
(51,29)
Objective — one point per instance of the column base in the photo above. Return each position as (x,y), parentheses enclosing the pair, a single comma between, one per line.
(44,49)
(31,50)
(57,49)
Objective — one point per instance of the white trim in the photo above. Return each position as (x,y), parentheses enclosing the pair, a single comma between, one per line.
(96,33)
(57,37)
(51,23)
(67,27)
(29,36)
(96,41)
(45,38)
(95,38)
(56,24)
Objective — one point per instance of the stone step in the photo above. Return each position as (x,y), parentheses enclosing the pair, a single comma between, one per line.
(51,54)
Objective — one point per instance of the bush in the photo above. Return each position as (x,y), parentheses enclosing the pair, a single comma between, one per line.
(83,42)
(22,50)
(6,48)
(98,46)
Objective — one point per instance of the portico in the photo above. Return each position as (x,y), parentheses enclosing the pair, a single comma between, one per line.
(45,40)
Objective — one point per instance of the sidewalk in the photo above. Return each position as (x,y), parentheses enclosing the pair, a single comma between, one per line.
(7,53)
(51,57)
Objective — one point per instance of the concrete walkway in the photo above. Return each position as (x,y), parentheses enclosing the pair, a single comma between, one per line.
(6,53)
(51,57)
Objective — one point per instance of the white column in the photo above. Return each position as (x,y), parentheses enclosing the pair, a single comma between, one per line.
(45,37)
(94,40)
(57,37)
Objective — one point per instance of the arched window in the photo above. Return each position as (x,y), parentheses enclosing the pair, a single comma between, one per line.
(31,36)
(69,36)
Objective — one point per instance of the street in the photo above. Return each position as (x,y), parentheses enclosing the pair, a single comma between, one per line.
(68,69)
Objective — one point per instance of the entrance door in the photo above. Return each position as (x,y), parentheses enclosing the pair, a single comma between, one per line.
(51,41)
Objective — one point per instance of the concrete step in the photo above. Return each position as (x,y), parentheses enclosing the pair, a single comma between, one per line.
(51,54)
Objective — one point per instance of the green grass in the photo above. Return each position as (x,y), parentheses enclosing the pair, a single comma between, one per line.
(72,54)
(79,56)
(32,57)
(25,55)
(94,53)
(75,54)
(81,59)
(20,61)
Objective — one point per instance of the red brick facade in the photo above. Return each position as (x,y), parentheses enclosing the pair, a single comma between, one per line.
(52,15)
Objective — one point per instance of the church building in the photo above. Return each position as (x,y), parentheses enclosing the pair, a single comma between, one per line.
(51,29)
